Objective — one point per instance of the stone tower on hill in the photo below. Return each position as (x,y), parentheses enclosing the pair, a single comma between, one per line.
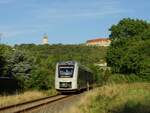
(45,39)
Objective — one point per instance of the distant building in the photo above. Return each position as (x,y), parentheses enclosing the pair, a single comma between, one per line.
(45,39)
(98,42)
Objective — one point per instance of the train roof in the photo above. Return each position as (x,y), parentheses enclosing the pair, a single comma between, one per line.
(67,62)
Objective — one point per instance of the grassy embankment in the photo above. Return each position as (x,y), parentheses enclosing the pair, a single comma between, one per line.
(23,97)
(115,98)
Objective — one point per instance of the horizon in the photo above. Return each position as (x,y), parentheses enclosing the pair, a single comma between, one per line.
(64,21)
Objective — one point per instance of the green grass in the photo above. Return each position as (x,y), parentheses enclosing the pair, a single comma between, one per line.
(121,78)
(121,98)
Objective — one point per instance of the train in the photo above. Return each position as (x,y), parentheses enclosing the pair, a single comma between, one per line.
(71,76)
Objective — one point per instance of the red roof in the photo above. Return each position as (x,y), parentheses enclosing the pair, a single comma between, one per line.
(98,40)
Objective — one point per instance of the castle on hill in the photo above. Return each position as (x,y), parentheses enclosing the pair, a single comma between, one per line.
(98,42)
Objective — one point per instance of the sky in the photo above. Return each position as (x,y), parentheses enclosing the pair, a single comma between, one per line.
(64,21)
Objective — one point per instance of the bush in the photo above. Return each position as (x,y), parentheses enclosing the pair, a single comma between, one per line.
(41,79)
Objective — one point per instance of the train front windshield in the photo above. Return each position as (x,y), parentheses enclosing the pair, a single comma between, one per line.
(66,72)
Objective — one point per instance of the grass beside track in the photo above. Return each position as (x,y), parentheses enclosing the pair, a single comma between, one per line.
(119,98)
(24,97)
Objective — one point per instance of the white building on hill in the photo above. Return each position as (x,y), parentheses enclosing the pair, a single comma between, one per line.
(98,42)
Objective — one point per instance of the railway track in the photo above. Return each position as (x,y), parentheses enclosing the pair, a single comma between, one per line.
(32,105)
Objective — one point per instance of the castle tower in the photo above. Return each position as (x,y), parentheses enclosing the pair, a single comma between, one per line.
(45,39)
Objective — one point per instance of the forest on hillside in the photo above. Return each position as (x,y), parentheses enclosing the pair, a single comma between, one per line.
(34,65)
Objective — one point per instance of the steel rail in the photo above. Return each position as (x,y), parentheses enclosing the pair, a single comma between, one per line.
(40,105)
(25,103)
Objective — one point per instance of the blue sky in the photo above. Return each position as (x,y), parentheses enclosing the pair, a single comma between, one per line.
(64,21)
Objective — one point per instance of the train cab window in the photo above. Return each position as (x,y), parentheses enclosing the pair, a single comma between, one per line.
(66,72)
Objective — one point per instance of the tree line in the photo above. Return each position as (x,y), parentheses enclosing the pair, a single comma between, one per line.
(33,66)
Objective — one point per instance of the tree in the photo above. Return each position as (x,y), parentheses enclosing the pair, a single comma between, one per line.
(5,52)
(129,52)
(128,28)
(2,62)
(20,65)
